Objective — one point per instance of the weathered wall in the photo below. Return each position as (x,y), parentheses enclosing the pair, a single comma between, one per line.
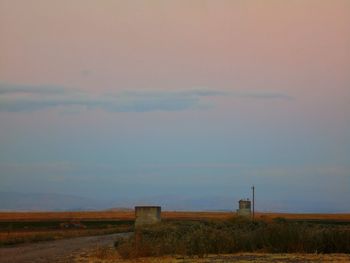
(244,208)
(244,204)
(147,215)
(244,212)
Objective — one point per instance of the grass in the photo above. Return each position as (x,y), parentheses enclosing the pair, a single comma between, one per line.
(12,233)
(24,227)
(14,238)
(46,225)
(130,215)
(107,256)
(200,238)
(64,216)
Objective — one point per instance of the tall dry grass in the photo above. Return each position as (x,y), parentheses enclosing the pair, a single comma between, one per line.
(200,238)
(130,215)
(18,237)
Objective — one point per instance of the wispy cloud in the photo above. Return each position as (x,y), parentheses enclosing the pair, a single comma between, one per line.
(27,98)
(263,95)
(14,98)
(205,165)
(8,88)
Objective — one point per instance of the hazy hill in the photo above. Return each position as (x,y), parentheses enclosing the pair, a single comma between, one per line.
(10,201)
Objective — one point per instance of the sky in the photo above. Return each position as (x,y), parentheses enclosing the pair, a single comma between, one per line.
(178,102)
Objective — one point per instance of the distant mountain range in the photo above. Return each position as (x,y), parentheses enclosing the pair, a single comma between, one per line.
(10,201)
(46,202)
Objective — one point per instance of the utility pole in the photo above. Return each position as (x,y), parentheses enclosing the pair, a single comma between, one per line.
(253,190)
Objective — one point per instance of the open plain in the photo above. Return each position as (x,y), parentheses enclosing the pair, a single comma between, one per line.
(130,215)
(38,237)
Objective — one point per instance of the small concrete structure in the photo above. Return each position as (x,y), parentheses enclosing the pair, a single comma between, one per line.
(244,208)
(147,215)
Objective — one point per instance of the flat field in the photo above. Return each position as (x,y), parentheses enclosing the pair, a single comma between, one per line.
(27,227)
(31,227)
(129,215)
(110,256)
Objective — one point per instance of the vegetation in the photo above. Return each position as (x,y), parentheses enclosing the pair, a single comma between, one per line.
(200,238)
(46,225)
(108,255)
(130,215)
(24,227)
(12,233)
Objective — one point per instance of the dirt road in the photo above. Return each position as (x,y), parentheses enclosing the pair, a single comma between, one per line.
(55,251)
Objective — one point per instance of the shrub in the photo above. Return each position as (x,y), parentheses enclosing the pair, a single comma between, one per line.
(199,238)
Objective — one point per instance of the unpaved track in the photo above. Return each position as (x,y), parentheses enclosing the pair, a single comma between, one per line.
(55,251)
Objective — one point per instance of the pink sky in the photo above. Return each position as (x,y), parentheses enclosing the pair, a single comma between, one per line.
(278,72)
(173,44)
(300,48)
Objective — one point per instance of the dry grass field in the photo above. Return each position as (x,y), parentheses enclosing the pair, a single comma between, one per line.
(44,216)
(129,215)
(285,242)
(24,227)
(20,227)
(16,237)
(111,256)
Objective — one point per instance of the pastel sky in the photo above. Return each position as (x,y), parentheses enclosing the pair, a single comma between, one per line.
(174,102)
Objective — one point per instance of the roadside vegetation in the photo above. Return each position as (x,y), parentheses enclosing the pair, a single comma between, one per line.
(201,238)
(12,233)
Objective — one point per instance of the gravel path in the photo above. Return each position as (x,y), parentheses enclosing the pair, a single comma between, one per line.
(55,251)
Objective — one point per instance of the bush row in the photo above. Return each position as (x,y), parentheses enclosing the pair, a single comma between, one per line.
(236,235)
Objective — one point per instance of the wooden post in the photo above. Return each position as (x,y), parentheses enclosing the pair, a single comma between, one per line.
(253,188)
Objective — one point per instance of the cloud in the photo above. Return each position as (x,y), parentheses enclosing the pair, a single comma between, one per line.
(28,98)
(6,88)
(264,95)
(205,165)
